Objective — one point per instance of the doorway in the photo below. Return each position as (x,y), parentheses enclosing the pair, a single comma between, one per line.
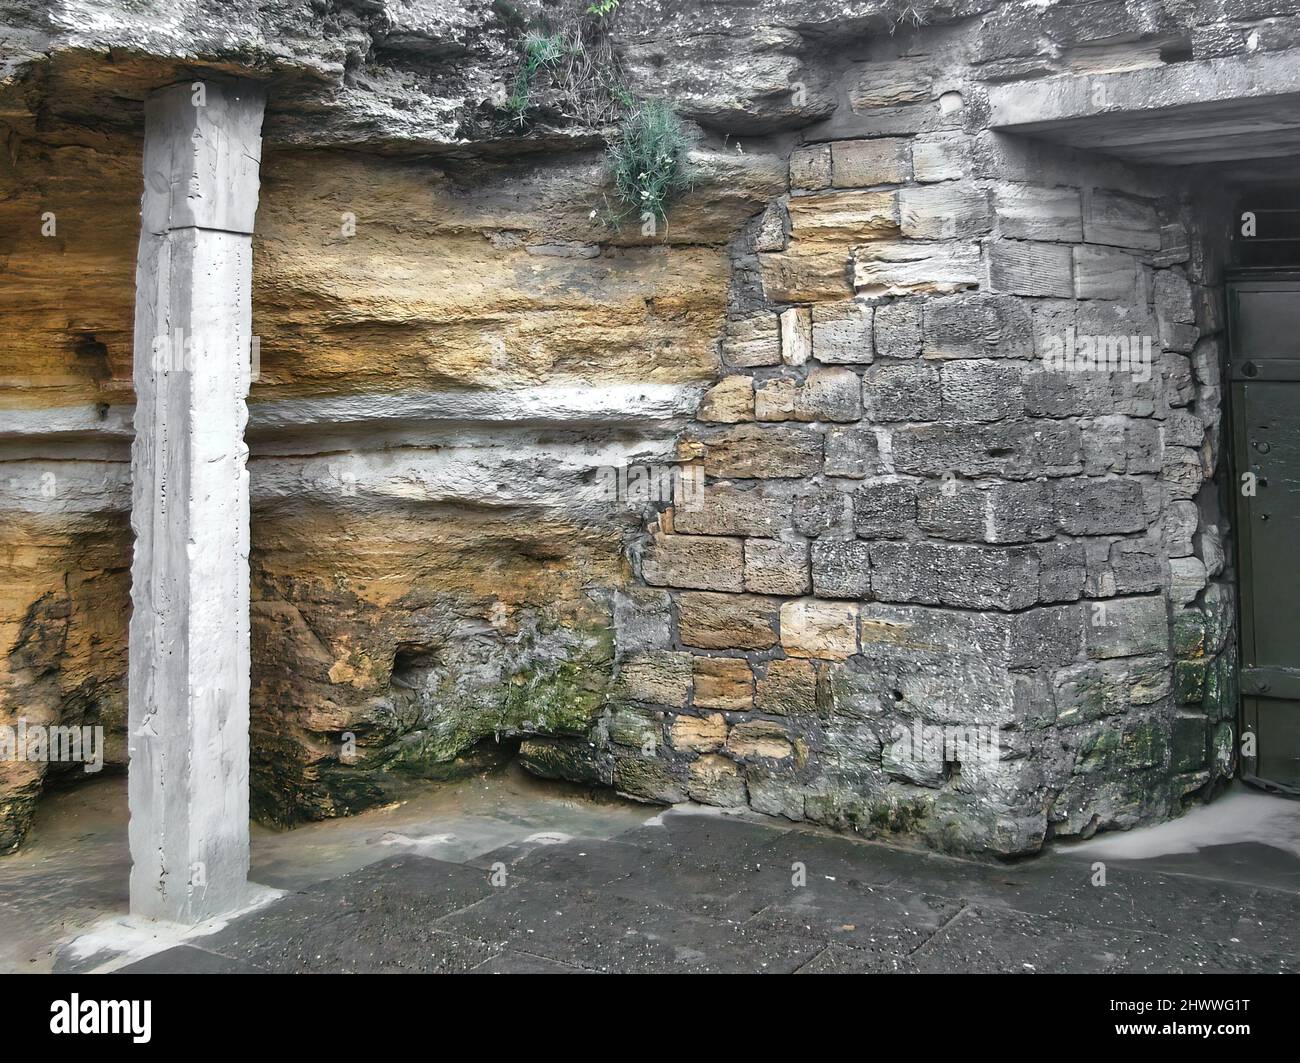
(1264,383)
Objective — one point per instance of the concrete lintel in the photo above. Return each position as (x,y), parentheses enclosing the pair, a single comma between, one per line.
(1174,114)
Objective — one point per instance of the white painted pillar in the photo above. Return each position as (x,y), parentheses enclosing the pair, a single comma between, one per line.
(189,652)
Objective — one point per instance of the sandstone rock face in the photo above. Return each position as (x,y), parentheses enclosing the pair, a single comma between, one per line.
(808,501)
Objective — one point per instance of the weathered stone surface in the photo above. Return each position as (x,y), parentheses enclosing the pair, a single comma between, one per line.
(841,569)
(763,452)
(884,509)
(760,740)
(1104,273)
(1026,267)
(810,167)
(893,267)
(897,329)
(698,734)
(726,621)
(787,688)
(776,567)
(716,780)
(698,561)
(852,452)
(662,678)
(841,334)
(1029,212)
(753,340)
(1127,627)
(724,683)
(729,401)
(1120,220)
(981,391)
(796,335)
(964,576)
(829,395)
(907,392)
(811,628)
(947,211)
(862,163)
(977,326)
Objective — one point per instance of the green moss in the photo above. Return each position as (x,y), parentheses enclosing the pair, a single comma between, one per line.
(1189,682)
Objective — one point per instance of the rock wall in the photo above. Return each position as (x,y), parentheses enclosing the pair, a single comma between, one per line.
(913,523)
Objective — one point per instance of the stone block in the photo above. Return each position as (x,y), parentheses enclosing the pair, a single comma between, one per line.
(969,577)
(725,683)
(986,512)
(841,569)
(979,390)
(706,733)
(725,508)
(1062,572)
(905,392)
(763,452)
(834,221)
(940,157)
(760,740)
(700,562)
(752,340)
(657,678)
(1009,449)
(796,335)
(711,621)
(1090,506)
(776,567)
(648,779)
(863,163)
(810,167)
(977,325)
(1104,273)
(903,267)
(884,509)
(1126,627)
(1120,220)
(642,620)
(811,628)
(715,780)
(774,400)
(787,688)
(1188,742)
(829,395)
(637,728)
(949,211)
(1024,267)
(729,401)
(841,333)
(1029,212)
(897,329)
(853,453)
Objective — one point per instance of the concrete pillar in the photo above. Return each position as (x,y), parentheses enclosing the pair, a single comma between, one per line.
(189,651)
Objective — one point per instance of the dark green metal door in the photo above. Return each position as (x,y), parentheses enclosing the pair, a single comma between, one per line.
(1265,387)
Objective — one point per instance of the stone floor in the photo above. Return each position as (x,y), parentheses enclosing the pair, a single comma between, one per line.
(511,876)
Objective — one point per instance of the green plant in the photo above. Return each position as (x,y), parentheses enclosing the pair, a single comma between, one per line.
(540,51)
(648,157)
(569,71)
(601,8)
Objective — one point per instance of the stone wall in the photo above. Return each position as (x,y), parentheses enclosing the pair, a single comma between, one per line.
(911,524)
